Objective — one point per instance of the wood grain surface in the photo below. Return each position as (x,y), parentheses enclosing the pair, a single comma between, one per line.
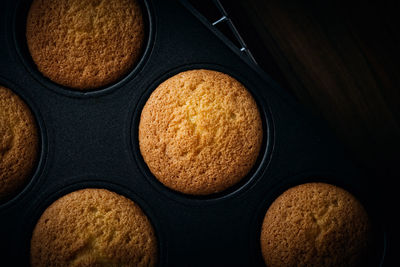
(341,61)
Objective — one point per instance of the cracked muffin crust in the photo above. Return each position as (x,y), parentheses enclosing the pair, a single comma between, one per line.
(93,227)
(200,132)
(19,144)
(315,224)
(85,44)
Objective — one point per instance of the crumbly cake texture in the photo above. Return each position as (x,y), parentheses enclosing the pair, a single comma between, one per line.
(85,44)
(200,132)
(19,144)
(315,224)
(93,227)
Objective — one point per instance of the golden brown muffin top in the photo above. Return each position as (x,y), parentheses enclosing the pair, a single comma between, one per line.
(85,44)
(200,132)
(93,227)
(19,144)
(315,224)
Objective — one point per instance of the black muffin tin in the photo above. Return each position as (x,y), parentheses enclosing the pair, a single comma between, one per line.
(91,140)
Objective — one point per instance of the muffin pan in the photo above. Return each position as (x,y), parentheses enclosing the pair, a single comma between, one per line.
(91,140)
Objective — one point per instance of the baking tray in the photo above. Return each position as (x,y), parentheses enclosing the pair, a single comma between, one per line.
(91,140)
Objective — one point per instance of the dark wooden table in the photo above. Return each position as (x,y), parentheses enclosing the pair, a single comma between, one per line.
(340,59)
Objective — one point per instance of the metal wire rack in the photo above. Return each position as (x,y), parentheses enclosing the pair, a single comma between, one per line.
(223,18)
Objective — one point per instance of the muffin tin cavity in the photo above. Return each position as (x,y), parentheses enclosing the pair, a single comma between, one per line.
(323,224)
(98,242)
(266,139)
(376,236)
(72,61)
(22,144)
(93,226)
(200,132)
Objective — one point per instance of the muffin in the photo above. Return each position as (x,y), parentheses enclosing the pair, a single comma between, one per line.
(19,144)
(93,227)
(200,132)
(85,44)
(315,224)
